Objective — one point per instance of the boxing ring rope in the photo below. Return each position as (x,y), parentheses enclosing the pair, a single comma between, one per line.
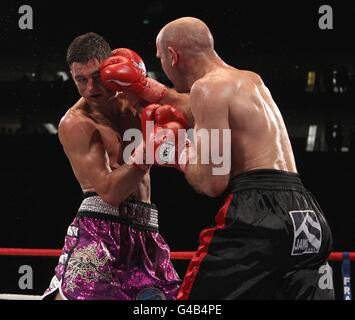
(344,257)
(26,252)
(175,255)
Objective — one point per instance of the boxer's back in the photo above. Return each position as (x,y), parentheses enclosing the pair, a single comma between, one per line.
(259,135)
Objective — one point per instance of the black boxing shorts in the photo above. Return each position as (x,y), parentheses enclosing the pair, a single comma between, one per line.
(271,241)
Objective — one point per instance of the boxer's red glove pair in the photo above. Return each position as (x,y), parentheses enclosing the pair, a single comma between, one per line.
(169,144)
(125,71)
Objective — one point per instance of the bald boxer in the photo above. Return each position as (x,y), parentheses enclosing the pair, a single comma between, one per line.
(112,249)
(271,239)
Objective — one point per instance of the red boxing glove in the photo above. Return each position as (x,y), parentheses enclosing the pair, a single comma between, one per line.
(168,113)
(148,114)
(125,70)
(169,147)
(120,74)
(142,158)
(131,55)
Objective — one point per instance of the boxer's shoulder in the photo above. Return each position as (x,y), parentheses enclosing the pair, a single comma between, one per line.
(213,89)
(74,125)
(253,76)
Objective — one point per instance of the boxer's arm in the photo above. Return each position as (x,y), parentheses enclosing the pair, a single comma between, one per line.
(83,145)
(181,101)
(125,70)
(210,111)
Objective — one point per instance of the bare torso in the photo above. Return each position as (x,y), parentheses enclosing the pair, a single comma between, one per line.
(111,128)
(259,136)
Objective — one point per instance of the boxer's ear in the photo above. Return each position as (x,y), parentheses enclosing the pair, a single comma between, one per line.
(174,56)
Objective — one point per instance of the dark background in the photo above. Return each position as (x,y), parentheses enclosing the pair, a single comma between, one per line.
(280,41)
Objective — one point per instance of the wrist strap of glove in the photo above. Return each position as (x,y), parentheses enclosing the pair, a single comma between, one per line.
(154,91)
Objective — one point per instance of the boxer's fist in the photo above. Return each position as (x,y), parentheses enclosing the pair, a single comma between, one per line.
(166,113)
(168,144)
(120,73)
(148,114)
(125,70)
(131,55)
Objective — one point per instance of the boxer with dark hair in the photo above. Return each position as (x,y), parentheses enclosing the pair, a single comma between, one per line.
(112,249)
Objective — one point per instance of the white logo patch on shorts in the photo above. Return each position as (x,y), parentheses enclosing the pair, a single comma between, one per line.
(307,232)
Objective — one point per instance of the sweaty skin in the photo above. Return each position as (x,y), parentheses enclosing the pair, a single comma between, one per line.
(240,101)
(223,97)
(91,134)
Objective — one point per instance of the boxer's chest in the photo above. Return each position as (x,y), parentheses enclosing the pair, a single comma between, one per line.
(112,134)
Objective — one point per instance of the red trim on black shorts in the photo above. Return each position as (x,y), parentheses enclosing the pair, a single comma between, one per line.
(206,237)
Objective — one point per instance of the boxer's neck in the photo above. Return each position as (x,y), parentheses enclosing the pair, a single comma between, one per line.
(198,68)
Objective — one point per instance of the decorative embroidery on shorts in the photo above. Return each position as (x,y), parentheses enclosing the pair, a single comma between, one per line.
(307,236)
(84,265)
(151,294)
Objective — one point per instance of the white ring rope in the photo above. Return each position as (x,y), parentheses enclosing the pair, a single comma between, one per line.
(10,296)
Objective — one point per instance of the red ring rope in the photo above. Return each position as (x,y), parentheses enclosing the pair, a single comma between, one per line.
(176,255)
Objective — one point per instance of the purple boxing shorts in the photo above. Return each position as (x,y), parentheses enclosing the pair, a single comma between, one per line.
(114,253)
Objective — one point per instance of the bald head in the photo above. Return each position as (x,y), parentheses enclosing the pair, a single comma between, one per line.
(186,34)
(185,48)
